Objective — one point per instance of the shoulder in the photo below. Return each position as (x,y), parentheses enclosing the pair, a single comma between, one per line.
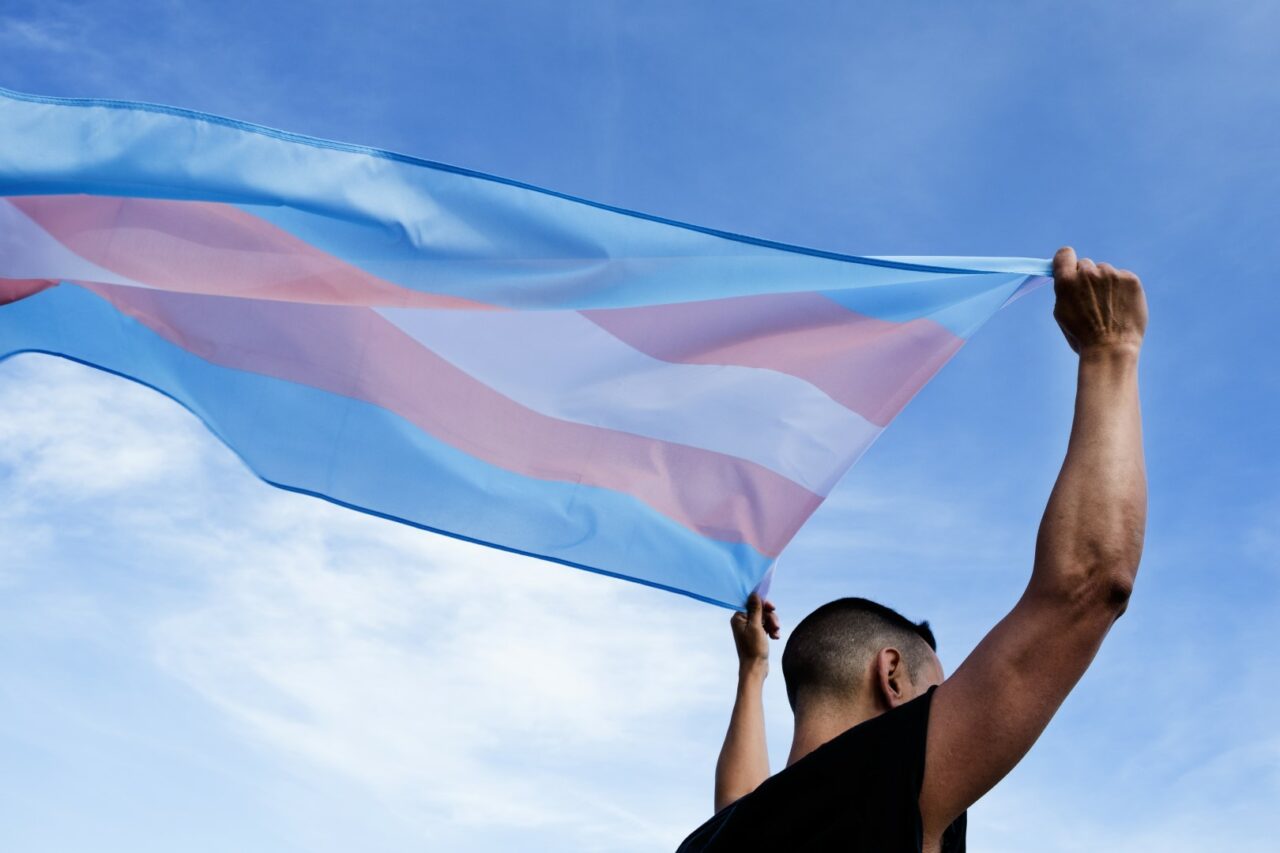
(862,785)
(902,730)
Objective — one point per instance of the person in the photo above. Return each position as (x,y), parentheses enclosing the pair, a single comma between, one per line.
(888,753)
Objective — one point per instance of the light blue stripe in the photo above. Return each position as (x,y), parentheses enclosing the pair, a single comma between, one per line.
(420,224)
(1021,266)
(886,293)
(962,304)
(364,457)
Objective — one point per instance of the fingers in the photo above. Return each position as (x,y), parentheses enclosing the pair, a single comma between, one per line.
(769,620)
(1066,266)
(1129,276)
(772,626)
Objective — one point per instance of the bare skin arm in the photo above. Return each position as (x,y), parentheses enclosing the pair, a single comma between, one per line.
(744,758)
(989,713)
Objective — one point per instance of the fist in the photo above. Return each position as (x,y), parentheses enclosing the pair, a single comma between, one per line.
(1098,306)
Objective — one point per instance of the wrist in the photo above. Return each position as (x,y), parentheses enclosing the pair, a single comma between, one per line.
(751,668)
(1108,366)
(1111,352)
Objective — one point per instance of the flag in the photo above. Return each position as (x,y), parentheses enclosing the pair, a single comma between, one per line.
(501,363)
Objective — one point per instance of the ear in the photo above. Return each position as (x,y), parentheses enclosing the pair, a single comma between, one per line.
(893,686)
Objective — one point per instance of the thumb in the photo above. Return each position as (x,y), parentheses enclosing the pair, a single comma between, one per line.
(1064,264)
(754,609)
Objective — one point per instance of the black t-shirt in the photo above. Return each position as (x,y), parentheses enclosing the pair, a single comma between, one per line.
(858,793)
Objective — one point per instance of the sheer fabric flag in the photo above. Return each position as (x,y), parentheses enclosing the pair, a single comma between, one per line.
(493,361)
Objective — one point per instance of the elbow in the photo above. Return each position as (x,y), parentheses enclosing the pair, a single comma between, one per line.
(1092,575)
(1091,590)
(1107,590)
(1115,592)
(1113,572)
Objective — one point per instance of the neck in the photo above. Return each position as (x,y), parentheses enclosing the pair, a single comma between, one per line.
(819,722)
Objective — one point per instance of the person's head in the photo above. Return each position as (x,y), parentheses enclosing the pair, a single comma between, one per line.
(857,651)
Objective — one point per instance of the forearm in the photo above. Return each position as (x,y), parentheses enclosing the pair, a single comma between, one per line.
(1092,532)
(744,758)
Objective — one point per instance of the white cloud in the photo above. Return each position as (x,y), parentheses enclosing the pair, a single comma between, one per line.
(448,678)
(108,437)
(469,690)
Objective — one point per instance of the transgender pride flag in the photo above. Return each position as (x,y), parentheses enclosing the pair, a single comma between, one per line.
(478,357)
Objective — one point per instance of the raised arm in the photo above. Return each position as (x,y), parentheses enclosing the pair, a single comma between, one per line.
(744,758)
(989,713)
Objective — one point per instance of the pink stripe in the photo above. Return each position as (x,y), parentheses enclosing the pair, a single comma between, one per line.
(871,366)
(355,352)
(209,247)
(13,289)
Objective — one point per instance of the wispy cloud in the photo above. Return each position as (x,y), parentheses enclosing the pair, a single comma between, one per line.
(43,35)
(470,690)
(99,445)
(456,679)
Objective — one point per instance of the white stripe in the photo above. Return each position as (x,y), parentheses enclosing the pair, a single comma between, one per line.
(564,366)
(28,251)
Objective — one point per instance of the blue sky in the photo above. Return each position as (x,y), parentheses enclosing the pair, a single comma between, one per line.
(192,661)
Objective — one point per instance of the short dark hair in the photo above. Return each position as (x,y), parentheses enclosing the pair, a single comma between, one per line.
(827,653)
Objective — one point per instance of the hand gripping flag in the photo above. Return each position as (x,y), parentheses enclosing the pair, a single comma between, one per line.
(471,355)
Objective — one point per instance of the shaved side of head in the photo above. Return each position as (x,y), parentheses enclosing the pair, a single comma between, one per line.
(828,654)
